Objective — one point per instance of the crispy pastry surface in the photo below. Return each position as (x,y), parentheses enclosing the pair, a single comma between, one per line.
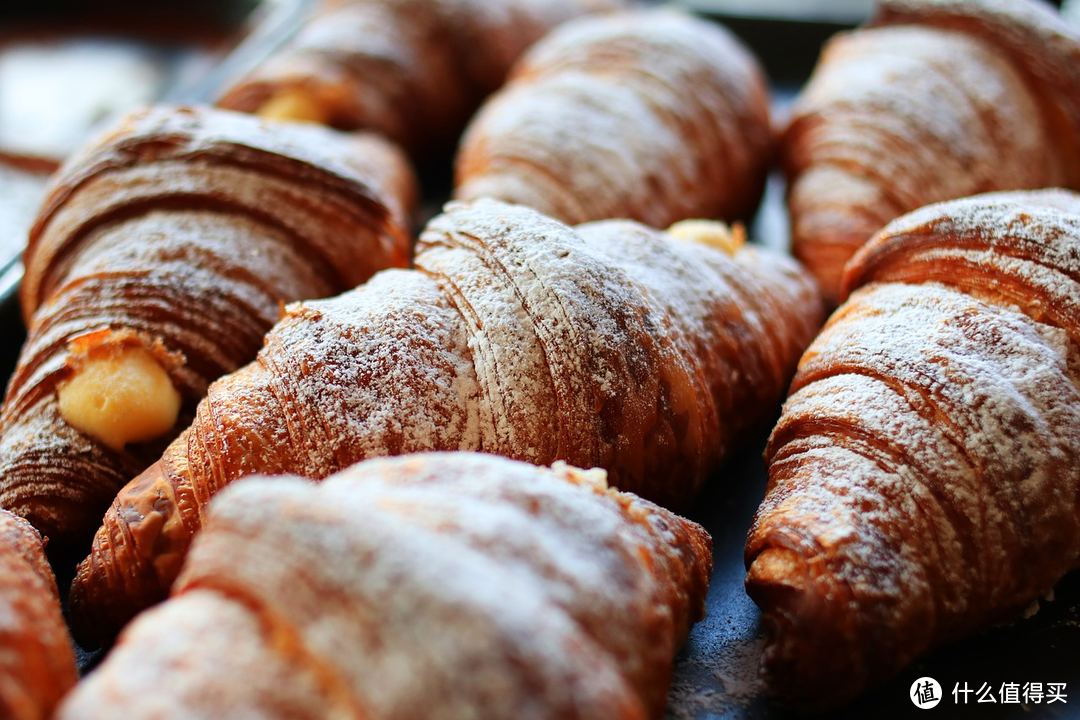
(181,232)
(936,99)
(37,665)
(441,585)
(925,474)
(653,115)
(613,345)
(413,70)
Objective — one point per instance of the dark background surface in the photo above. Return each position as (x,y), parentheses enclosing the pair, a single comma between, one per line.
(716,673)
(221,14)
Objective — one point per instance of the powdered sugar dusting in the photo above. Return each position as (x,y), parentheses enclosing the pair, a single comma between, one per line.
(650,115)
(925,472)
(734,667)
(465,582)
(183,230)
(518,336)
(924,108)
(422,66)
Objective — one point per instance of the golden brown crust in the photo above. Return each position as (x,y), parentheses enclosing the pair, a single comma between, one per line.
(414,70)
(182,231)
(923,478)
(217,636)
(937,99)
(651,115)
(1011,248)
(1043,46)
(37,665)
(435,585)
(613,346)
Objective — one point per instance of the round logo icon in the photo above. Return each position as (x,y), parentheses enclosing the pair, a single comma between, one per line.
(925,693)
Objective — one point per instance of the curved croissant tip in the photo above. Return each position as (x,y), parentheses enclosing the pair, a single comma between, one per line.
(136,555)
(778,581)
(713,233)
(801,659)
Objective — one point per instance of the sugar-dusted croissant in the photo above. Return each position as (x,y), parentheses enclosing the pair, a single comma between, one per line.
(413,70)
(924,478)
(935,100)
(159,260)
(653,115)
(440,585)
(614,346)
(37,665)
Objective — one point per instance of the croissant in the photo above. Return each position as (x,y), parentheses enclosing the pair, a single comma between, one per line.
(159,260)
(413,70)
(37,665)
(613,346)
(652,115)
(434,586)
(924,476)
(935,100)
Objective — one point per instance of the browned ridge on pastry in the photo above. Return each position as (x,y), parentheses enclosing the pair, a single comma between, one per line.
(413,70)
(652,115)
(160,258)
(441,585)
(935,100)
(37,665)
(924,478)
(612,345)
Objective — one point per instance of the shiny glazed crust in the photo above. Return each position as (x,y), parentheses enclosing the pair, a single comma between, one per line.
(651,115)
(182,231)
(613,345)
(441,585)
(924,476)
(936,99)
(413,70)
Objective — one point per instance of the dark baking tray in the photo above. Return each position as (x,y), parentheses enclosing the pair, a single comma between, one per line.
(716,673)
